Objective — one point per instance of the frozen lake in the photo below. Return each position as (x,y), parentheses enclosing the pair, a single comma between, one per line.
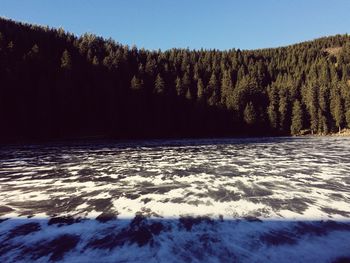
(224,200)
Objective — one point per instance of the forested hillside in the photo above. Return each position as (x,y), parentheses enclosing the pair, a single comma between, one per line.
(56,85)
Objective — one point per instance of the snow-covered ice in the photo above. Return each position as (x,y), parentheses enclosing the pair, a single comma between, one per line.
(217,200)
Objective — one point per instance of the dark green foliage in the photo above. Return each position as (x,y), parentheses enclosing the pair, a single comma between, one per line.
(312,106)
(66,60)
(297,118)
(249,114)
(347,116)
(180,89)
(272,109)
(213,90)
(200,89)
(159,85)
(57,85)
(338,112)
(136,83)
(227,90)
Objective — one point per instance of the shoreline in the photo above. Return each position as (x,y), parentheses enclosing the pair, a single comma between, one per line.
(92,139)
(343,133)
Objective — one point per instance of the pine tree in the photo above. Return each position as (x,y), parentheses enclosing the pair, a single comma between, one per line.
(312,106)
(283,109)
(89,55)
(213,89)
(227,90)
(297,118)
(249,114)
(337,107)
(272,115)
(322,123)
(347,117)
(10,46)
(151,65)
(200,89)
(66,60)
(34,52)
(95,61)
(186,82)
(188,94)
(136,84)
(179,87)
(338,113)
(159,85)
(272,109)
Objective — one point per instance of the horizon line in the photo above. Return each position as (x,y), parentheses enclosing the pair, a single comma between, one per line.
(131,46)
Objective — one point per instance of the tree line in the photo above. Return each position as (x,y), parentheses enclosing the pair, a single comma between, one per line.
(55,85)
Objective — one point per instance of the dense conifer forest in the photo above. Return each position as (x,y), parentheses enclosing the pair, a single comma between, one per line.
(55,85)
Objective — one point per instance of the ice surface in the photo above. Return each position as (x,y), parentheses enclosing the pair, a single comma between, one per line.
(224,200)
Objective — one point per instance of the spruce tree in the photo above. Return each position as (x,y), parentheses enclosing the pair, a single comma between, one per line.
(200,89)
(272,109)
(159,85)
(282,109)
(227,90)
(136,84)
(338,113)
(213,90)
(312,106)
(188,94)
(347,117)
(66,60)
(95,61)
(179,87)
(297,118)
(186,82)
(249,114)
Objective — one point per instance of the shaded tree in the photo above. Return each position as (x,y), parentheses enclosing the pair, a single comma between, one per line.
(297,118)
(200,89)
(250,115)
(136,83)
(159,85)
(66,60)
(213,90)
(58,85)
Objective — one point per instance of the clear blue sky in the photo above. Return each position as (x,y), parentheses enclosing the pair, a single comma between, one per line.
(220,24)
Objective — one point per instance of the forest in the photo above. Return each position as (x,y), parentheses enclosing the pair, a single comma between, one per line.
(55,85)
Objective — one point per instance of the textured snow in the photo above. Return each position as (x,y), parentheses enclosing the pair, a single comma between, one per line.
(240,200)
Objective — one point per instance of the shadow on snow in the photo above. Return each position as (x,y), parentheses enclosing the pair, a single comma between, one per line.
(68,239)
